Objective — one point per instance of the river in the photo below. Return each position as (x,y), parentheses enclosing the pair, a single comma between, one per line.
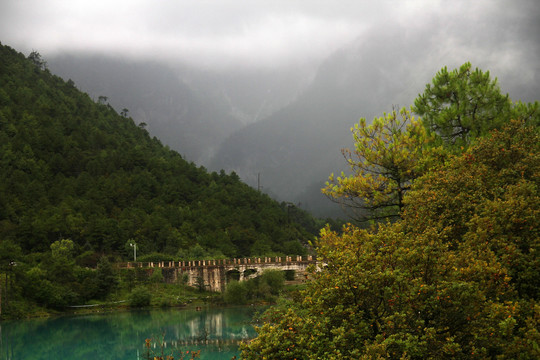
(214,331)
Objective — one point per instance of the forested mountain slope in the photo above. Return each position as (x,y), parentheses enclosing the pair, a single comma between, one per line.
(74,169)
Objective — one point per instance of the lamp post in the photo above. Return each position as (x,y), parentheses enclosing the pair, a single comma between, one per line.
(134,246)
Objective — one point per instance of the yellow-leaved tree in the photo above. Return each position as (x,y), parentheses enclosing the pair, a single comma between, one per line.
(456,278)
(387,156)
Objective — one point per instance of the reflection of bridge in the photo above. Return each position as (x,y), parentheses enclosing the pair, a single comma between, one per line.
(189,342)
(214,274)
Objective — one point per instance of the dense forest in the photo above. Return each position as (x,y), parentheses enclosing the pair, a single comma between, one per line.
(449,267)
(75,169)
(79,181)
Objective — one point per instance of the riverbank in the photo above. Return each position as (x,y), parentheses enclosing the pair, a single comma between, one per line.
(162,296)
(263,290)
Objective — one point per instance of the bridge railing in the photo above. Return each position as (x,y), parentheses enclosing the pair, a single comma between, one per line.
(220,262)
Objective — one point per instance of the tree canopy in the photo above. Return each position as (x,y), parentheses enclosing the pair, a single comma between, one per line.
(80,182)
(456,276)
(462,104)
(488,196)
(71,168)
(457,108)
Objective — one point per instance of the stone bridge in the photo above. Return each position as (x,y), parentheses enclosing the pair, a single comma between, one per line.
(214,274)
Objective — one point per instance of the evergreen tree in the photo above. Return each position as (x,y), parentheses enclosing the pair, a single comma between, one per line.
(462,104)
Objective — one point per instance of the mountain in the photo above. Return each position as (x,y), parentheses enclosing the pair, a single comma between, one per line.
(293,151)
(282,130)
(71,168)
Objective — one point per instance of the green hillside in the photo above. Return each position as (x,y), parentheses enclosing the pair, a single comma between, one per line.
(72,168)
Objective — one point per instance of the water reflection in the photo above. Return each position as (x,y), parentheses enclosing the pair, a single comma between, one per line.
(216,332)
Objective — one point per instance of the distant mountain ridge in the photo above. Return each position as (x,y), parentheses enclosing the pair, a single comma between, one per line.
(298,147)
(191,110)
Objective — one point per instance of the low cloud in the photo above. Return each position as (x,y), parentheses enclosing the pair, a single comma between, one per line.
(226,33)
(208,33)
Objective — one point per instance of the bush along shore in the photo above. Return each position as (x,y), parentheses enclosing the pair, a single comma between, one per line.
(125,289)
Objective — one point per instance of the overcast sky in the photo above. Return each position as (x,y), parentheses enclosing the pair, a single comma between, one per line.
(252,32)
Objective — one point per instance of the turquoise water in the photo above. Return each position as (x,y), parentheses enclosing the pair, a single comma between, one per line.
(214,331)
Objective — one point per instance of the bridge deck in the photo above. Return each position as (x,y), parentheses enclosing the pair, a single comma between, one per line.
(221,262)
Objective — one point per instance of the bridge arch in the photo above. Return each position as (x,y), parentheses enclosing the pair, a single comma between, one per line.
(233,275)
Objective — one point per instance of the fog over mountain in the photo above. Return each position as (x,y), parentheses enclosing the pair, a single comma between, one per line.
(189,109)
(271,89)
(295,149)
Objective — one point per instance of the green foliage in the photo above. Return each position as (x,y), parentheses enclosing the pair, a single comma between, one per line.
(73,168)
(261,248)
(457,277)
(157,276)
(201,286)
(62,250)
(78,180)
(236,293)
(156,257)
(458,107)
(41,289)
(106,279)
(385,160)
(140,297)
(265,287)
(462,104)
(489,195)
(290,275)
(37,60)
(529,113)
(274,279)
(10,253)
(197,252)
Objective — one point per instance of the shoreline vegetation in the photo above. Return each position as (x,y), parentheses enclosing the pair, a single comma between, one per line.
(259,291)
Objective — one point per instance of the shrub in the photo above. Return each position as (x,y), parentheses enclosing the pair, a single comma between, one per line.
(290,275)
(140,297)
(105,277)
(264,287)
(157,276)
(236,293)
(275,280)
